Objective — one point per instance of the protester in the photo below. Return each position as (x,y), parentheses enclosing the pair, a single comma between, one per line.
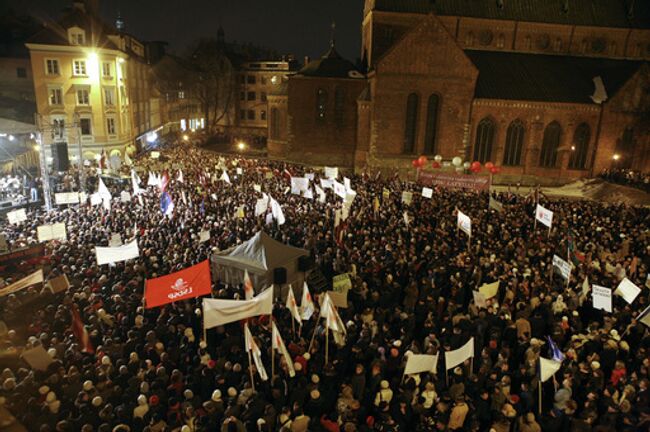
(412,293)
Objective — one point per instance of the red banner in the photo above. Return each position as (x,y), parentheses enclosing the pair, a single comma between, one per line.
(191,282)
(455,181)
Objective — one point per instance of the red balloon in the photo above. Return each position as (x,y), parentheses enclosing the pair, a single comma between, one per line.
(495,170)
(476,166)
(475,169)
(415,163)
(489,165)
(435,164)
(423,160)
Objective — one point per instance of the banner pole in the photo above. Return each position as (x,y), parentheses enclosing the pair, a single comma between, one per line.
(293,326)
(313,336)
(539,398)
(272,365)
(327,346)
(250,369)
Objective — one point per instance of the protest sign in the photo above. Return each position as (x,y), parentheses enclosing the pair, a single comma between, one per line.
(602,298)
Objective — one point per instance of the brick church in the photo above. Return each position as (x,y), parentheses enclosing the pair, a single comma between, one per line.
(550,88)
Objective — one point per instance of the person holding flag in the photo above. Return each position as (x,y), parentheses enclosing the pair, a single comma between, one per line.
(278,345)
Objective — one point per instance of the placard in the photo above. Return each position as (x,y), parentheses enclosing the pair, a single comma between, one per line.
(125,196)
(407,197)
(59,284)
(602,298)
(51,232)
(464,223)
(427,192)
(37,358)
(17,216)
(62,198)
(563,267)
(342,283)
(331,173)
(627,290)
(204,236)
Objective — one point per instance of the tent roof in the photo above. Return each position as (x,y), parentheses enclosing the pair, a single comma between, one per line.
(14,127)
(259,254)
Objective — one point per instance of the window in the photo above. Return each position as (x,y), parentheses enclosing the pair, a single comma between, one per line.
(242,114)
(250,79)
(580,147)
(242,96)
(56,96)
(58,129)
(84,126)
(83,96)
(107,71)
(410,126)
(52,67)
(484,140)
(263,96)
(79,67)
(275,123)
(110,126)
(263,115)
(21,72)
(251,115)
(251,96)
(432,124)
(77,37)
(339,105)
(514,143)
(321,104)
(548,155)
(109,96)
(181,95)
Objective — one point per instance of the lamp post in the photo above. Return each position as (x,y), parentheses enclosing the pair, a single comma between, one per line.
(82,173)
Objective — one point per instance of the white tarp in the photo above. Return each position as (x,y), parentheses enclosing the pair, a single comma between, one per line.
(456,357)
(52,232)
(627,290)
(218,312)
(418,363)
(544,215)
(602,298)
(464,223)
(110,255)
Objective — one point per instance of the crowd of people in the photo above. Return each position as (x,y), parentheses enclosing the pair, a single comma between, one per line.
(413,279)
(635,179)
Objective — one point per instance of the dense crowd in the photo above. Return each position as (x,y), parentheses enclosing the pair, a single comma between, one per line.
(635,179)
(412,293)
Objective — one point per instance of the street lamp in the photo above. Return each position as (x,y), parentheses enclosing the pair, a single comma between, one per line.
(241,145)
(616,156)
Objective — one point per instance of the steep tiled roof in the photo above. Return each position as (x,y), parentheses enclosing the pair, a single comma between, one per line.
(550,78)
(600,13)
(331,65)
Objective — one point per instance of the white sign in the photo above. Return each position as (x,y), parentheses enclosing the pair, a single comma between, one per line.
(479,299)
(326,184)
(299,185)
(155,155)
(347,183)
(51,232)
(204,236)
(310,176)
(563,266)
(66,198)
(627,290)
(17,216)
(239,171)
(407,197)
(602,298)
(464,223)
(544,215)
(331,173)
(418,363)
(110,255)
(427,192)
(456,357)
(257,188)
(125,196)
(339,189)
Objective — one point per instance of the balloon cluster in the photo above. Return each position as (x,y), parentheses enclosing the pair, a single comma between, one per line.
(457,162)
(476,167)
(419,162)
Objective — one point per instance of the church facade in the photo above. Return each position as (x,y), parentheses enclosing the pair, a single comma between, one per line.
(554,90)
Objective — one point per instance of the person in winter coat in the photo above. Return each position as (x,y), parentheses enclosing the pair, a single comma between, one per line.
(385,394)
(458,414)
(527,423)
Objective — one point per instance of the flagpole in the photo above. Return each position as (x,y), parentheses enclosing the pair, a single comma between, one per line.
(293,326)
(327,346)
(250,369)
(313,336)
(539,404)
(205,332)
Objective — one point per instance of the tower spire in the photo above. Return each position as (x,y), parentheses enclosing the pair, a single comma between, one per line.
(333,34)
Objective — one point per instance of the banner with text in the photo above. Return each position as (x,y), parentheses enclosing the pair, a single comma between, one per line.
(455,181)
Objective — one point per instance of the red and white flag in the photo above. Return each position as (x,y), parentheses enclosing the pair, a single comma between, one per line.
(278,345)
(293,306)
(80,332)
(252,347)
(306,304)
(164,181)
(249,292)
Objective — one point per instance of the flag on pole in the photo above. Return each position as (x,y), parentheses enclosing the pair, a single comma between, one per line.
(249,292)
(575,255)
(134,182)
(556,354)
(252,347)
(644,316)
(166,204)
(80,332)
(277,212)
(225,177)
(179,178)
(164,181)
(333,320)
(548,368)
(292,305)
(585,290)
(278,345)
(306,303)
(103,191)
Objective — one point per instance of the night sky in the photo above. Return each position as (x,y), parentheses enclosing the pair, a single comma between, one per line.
(300,27)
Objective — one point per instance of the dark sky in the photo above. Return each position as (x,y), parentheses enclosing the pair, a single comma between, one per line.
(301,27)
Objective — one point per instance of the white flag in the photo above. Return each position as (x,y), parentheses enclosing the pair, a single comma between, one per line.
(548,368)
(180,177)
(278,344)
(417,363)
(292,305)
(262,205)
(103,191)
(278,215)
(225,177)
(321,194)
(218,312)
(252,347)
(306,303)
(134,182)
(333,320)
(249,292)
(544,215)
(152,180)
(464,223)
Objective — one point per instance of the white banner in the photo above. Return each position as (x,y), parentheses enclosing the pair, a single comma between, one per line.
(427,192)
(602,298)
(544,215)
(456,357)
(347,183)
(299,185)
(563,266)
(17,216)
(110,255)
(331,173)
(627,290)
(547,368)
(66,198)
(418,363)
(32,279)
(218,312)
(339,189)
(51,232)
(464,223)
(125,196)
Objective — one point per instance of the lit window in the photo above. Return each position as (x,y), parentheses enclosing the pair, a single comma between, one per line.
(77,37)
(110,126)
(52,67)
(79,68)
(181,95)
(109,96)
(83,97)
(56,96)
(84,126)
(106,70)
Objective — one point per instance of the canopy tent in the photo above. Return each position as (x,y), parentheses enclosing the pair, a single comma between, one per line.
(13,127)
(260,256)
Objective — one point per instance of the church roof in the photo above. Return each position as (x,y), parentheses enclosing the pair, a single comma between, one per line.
(548,78)
(599,13)
(331,65)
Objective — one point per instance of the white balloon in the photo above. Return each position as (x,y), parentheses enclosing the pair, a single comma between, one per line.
(466,165)
(438,158)
(457,161)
